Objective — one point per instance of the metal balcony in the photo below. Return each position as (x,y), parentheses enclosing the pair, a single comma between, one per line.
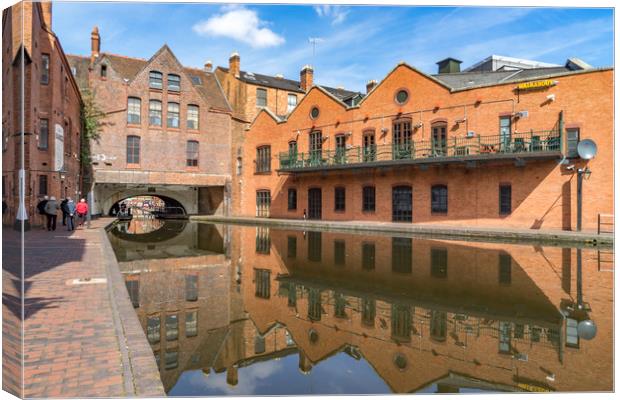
(518,145)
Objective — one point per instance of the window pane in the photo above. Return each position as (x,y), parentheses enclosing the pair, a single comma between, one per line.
(369,198)
(572,140)
(292,102)
(314,246)
(173,115)
(263,159)
(505,199)
(292,199)
(262,283)
(42,185)
(155,113)
(155,80)
(402,249)
(439,199)
(263,240)
(191,287)
(133,150)
(191,323)
(339,199)
(44,134)
(171,359)
(192,153)
(263,203)
(261,98)
(172,327)
(133,110)
(45,69)
(192,117)
(174,83)
(153,327)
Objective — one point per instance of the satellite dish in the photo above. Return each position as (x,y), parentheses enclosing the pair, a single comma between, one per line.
(586,149)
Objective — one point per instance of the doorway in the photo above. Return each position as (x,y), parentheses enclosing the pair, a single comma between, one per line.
(402,204)
(314,203)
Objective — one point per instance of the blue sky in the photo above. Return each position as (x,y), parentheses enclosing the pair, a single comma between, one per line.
(357,43)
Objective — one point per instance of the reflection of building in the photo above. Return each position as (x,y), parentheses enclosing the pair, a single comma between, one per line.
(471,148)
(425,314)
(51,100)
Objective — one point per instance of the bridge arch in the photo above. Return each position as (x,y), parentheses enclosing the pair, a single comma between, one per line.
(107,195)
(168,202)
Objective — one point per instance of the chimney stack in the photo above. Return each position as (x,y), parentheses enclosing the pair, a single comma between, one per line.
(370,85)
(305,77)
(208,66)
(234,64)
(46,6)
(95,44)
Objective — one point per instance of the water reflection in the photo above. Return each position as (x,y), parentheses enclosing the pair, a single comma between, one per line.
(292,312)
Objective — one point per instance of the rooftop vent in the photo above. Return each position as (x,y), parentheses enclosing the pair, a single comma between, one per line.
(449,66)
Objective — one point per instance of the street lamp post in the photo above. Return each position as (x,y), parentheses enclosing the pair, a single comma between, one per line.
(580,174)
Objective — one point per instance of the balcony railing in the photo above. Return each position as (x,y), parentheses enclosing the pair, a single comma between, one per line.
(464,147)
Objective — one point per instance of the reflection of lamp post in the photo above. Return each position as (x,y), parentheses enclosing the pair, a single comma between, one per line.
(586,329)
(580,173)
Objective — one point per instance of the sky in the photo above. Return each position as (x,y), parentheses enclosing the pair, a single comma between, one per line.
(353,43)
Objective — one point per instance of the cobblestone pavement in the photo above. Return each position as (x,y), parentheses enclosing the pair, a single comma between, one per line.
(77,342)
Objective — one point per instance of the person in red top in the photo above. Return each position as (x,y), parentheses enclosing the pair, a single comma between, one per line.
(82,210)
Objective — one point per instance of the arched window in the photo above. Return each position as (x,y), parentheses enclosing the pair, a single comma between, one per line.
(155,113)
(133,149)
(439,199)
(133,110)
(174,83)
(155,80)
(173,115)
(401,139)
(192,116)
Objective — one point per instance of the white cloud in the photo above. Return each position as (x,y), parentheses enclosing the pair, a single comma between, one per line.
(337,13)
(240,24)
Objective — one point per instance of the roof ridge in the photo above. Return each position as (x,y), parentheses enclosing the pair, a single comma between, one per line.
(123,56)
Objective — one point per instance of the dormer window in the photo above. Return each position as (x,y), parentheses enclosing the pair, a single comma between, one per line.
(155,80)
(104,71)
(174,83)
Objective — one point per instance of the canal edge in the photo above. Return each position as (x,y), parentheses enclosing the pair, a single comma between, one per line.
(141,376)
(556,239)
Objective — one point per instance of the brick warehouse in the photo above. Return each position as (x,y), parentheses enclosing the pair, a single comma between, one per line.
(166,131)
(51,111)
(479,147)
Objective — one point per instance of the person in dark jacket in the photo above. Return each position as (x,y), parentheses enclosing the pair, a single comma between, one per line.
(41,208)
(63,208)
(51,207)
(70,206)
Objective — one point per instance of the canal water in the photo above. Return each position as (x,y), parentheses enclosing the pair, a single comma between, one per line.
(249,310)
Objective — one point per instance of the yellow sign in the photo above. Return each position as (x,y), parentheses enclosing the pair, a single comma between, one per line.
(532,388)
(536,84)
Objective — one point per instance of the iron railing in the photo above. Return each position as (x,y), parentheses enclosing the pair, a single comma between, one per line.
(517,142)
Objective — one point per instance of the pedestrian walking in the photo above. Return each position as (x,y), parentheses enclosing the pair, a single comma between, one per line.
(41,209)
(63,208)
(51,208)
(82,210)
(70,214)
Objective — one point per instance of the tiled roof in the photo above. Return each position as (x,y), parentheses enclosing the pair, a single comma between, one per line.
(129,67)
(287,84)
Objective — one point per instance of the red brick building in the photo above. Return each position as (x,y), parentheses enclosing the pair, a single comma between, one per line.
(51,100)
(166,130)
(486,148)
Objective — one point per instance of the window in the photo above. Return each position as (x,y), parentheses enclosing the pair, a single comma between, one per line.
(172,327)
(339,252)
(261,97)
(314,113)
(192,153)
(572,337)
(292,102)
(42,185)
(369,311)
(191,323)
(505,199)
(263,203)
(314,246)
(504,336)
(133,150)
(292,150)
(401,139)
(153,327)
(340,305)
(439,325)
(368,256)
(262,283)
(171,358)
(155,113)
(45,69)
(155,80)
(174,83)
(572,140)
(259,344)
(402,204)
(439,263)
(44,133)
(292,295)
(191,287)
(368,198)
(439,140)
(104,71)
(341,149)
(401,322)
(370,148)
(133,289)
(314,304)
(401,96)
(263,240)
(401,255)
(291,250)
(339,198)
(505,269)
(263,159)
(316,146)
(173,115)
(133,110)
(292,199)
(504,132)
(439,199)
(192,116)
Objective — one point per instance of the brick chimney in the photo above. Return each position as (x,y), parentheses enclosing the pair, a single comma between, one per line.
(370,85)
(46,6)
(208,66)
(305,77)
(95,44)
(234,64)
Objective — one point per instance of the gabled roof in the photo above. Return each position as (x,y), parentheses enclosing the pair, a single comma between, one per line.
(287,84)
(128,68)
